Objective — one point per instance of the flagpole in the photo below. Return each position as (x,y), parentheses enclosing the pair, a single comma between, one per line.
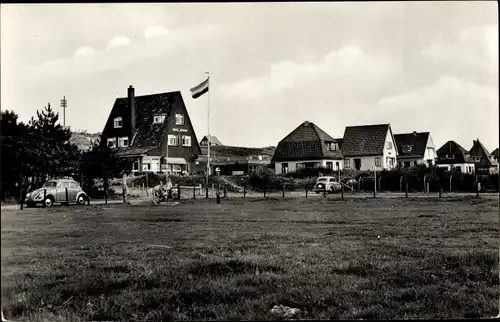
(208,130)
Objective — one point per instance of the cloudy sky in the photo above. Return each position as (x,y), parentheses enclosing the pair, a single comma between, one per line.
(424,66)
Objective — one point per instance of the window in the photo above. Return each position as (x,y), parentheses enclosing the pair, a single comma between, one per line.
(284,168)
(186,140)
(477,159)
(388,145)
(338,165)
(118,122)
(112,143)
(173,140)
(406,148)
(347,163)
(332,146)
(329,165)
(389,161)
(123,142)
(179,119)
(73,186)
(158,119)
(378,161)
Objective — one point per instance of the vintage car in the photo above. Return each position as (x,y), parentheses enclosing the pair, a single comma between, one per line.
(330,184)
(54,191)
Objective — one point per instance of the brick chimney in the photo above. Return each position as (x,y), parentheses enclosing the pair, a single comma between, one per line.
(131,105)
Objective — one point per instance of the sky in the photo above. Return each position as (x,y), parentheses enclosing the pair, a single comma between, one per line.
(420,66)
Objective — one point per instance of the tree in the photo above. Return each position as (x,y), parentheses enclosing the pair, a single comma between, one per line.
(101,162)
(11,167)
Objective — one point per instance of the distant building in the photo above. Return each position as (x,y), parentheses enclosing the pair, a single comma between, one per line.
(210,138)
(367,147)
(142,127)
(307,146)
(483,161)
(415,148)
(453,156)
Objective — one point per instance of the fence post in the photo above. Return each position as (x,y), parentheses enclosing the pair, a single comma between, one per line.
(244,189)
(225,185)
(306,191)
(213,189)
(21,198)
(324,190)
(179,192)
(359,184)
(342,191)
(194,191)
(428,187)
(147,184)
(265,188)
(374,183)
(406,189)
(401,184)
(44,196)
(67,199)
(478,186)
(440,190)
(283,188)
(379,184)
(451,176)
(124,189)
(425,176)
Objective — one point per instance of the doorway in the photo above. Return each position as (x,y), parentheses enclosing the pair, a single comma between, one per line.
(357,164)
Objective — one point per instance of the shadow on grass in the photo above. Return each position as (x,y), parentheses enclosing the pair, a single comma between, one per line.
(231,267)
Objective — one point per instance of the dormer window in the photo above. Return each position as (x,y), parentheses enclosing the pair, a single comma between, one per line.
(332,146)
(159,119)
(477,159)
(179,119)
(118,122)
(123,142)
(112,143)
(407,148)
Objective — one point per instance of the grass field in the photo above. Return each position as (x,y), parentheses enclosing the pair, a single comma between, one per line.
(435,258)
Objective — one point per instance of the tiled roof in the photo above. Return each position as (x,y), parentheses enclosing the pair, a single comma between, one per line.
(148,134)
(133,151)
(452,147)
(306,142)
(364,140)
(495,153)
(478,150)
(417,141)
(212,139)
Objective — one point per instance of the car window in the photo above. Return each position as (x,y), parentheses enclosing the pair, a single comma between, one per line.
(63,185)
(74,186)
(332,180)
(50,184)
(321,179)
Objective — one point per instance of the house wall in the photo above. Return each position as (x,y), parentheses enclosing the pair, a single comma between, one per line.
(292,165)
(109,130)
(187,153)
(464,167)
(430,154)
(389,152)
(367,162)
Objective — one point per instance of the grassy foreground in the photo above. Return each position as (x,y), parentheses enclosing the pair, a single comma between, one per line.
(198,260)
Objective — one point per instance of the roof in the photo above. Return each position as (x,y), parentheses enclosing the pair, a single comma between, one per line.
(306,142)
(417,142)
(212,139)
(478,150)
(364,140)
(452,147)
(133,151)
(148,134)
(495,153)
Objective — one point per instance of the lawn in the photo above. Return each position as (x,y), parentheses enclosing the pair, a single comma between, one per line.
(435,258)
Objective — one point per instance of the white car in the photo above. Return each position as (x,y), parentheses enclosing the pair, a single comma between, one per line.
(330,184)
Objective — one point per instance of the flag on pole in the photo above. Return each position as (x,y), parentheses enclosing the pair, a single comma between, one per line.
(200,89)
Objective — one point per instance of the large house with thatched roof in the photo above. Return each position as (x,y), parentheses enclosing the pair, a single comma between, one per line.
(153,131)
(307,146)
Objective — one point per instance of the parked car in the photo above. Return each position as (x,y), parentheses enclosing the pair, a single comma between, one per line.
(330,184)
(54,191)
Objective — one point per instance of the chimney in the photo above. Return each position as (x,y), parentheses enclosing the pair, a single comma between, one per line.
(131,105)
(306,123)
(414,133)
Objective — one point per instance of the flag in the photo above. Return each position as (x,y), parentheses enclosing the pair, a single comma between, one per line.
(200,89)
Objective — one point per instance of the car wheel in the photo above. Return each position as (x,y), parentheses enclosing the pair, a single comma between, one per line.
(80,200)
(48,202)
